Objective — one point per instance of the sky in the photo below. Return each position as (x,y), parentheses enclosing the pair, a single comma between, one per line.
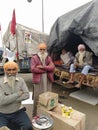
(30,13)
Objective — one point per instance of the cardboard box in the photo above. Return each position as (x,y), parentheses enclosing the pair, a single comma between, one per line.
(76,122)
(49,100)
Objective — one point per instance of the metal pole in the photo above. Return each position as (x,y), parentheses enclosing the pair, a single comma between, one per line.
(42,15)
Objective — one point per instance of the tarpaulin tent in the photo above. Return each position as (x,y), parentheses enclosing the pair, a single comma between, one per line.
(71,29)
(24,41)
(77,26)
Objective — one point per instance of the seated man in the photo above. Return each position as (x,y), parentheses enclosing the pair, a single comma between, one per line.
(83,60)
(13,90)
(66,57)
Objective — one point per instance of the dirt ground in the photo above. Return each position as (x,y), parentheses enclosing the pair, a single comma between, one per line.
(90,110)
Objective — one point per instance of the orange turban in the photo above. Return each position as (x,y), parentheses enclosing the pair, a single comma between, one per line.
(10,64)
(42,46)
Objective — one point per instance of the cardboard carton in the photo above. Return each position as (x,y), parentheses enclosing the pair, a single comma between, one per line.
(48,100)
(75,122)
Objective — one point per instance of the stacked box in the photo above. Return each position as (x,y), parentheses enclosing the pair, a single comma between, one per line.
(75,122)
(48,100)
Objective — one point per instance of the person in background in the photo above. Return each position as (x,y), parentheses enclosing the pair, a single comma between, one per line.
(83,60)
(67,58)
(42,69)
(13,90)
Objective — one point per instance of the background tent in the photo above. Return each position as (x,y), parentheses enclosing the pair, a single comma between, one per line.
(25,41)
(75,27)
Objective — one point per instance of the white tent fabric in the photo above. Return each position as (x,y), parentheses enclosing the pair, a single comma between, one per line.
(25,40)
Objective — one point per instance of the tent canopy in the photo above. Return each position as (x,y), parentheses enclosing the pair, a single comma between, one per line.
(25,41)
(76,27)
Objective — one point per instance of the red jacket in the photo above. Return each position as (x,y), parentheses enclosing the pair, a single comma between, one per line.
(48,68)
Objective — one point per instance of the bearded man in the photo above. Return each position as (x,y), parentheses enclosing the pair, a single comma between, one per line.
(83,60)
(13,90)
(42,69)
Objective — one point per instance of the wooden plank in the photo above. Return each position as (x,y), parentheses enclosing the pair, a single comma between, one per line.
(64,84)
(61,75)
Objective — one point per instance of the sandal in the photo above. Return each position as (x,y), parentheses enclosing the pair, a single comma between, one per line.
(78,86)
(70,82)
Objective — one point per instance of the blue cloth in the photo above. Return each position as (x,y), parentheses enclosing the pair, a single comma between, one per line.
(19,117)
(84,70)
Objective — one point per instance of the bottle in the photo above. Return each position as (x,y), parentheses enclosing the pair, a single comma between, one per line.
(70,109)
(67,114)
(63,109)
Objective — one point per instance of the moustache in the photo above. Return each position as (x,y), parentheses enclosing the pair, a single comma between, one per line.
(11,75)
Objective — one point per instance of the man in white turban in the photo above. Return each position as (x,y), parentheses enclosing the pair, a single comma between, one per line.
(83,60)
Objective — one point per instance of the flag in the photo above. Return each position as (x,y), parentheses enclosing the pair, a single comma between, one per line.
(13,23)
(13,31)
(17,54)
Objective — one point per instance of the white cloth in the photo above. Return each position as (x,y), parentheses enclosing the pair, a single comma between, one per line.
(43,57)
(81,55)
(65,58)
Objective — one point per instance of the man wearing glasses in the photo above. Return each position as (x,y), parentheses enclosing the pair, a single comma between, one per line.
(13,90)
(42,69)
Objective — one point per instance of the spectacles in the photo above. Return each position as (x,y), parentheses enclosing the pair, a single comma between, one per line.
(11,69)
(42,49)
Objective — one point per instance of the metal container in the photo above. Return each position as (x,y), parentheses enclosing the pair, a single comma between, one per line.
(42,122)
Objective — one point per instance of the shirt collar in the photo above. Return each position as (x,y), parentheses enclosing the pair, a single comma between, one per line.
(5,79)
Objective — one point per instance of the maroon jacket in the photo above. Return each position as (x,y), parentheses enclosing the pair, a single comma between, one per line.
(48,68)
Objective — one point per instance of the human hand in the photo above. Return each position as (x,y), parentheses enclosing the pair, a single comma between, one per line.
(40,66)
(76,65)
(21,92)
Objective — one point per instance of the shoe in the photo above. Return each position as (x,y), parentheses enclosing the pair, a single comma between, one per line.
(78,86)
(70,82)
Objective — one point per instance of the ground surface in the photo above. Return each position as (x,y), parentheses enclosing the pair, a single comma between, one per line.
(90,110)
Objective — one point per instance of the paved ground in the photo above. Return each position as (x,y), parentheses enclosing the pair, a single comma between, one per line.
(90,110)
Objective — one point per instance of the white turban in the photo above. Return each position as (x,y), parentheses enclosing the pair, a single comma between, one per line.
(81,46)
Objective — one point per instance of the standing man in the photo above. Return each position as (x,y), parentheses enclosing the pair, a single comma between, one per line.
(83,60)
(13,90)
(42,68)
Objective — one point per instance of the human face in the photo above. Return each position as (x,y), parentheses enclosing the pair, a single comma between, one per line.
(82,50)
(64,51)
(11,71)
(42,50)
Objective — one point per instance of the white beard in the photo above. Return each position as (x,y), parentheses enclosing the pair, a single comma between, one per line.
(42,56)
(81,55)
(11,81)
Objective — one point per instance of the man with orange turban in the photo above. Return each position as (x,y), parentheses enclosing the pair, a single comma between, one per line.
(83,61)
(42,68)
(13,90)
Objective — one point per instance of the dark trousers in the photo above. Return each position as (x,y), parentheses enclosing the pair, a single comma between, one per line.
(19,118)
(13,126)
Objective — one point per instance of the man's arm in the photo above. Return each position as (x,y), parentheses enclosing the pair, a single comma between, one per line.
(6,98)
(24,89)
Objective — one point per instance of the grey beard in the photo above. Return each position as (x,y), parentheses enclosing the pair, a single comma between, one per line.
(11,81)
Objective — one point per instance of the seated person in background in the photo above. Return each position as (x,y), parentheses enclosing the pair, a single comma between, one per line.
(56,58)
(66,57)
(83,60)
(13,90)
